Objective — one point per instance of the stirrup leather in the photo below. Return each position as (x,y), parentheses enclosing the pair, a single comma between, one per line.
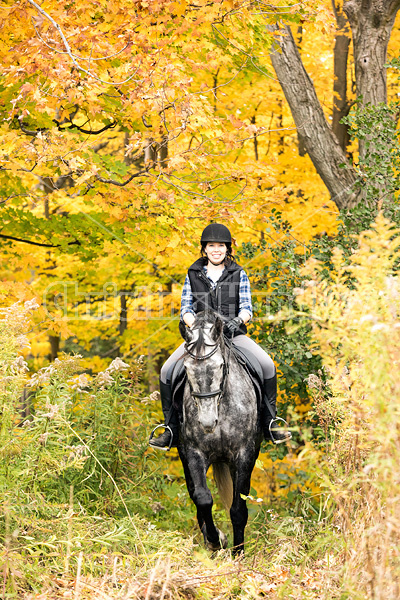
(164,427)
(271,433)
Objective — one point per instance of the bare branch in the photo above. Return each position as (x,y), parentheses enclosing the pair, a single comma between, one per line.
(20,169)
(29,131)
(100,146)
(144,122)
(86,131)
(15,239)
(33,133)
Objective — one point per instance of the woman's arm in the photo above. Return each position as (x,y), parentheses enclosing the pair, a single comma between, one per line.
(245,304)
(187,312)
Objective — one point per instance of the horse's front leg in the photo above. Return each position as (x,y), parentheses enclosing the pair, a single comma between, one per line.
(241,487)
(202,498)
(190,487)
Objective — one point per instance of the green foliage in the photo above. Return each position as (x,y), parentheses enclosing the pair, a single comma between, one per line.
(64,521)
(378,171)
(287,339)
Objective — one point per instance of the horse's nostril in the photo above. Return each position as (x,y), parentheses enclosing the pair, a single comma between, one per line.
(210,427)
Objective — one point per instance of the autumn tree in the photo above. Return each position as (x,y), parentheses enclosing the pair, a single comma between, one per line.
(126,126)
(371,23)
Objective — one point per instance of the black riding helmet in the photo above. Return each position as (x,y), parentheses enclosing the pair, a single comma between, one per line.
(215,232)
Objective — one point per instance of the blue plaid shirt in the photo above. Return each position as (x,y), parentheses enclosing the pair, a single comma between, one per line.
(244,294)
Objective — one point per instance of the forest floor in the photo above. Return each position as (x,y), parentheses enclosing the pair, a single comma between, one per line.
(187,571)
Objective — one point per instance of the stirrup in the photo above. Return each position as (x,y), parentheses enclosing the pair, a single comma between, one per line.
(164,427)
(275,441)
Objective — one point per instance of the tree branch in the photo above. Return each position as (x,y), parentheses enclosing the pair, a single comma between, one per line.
(123,183)
(87,131)
(144,122)
(69,51)
(33,133)
(30,132)
(15,239)
(394,6)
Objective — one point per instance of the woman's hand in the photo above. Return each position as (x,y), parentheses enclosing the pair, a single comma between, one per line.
(189,319)
(233,325)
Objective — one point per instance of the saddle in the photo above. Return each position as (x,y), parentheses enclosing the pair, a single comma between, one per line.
(244,357)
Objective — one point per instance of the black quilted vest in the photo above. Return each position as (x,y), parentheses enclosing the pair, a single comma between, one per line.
(224,298)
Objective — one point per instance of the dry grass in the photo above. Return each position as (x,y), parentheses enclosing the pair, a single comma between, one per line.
(197,577)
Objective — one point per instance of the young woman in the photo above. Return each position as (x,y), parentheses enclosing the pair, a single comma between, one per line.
(215,281)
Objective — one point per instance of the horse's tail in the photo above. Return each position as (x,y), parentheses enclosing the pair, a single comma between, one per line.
(223,479)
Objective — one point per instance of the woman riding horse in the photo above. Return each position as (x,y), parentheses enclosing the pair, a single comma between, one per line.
(216,282)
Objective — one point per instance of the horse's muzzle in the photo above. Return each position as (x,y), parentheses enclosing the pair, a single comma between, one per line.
(209,428)
(208,422)
(207,408)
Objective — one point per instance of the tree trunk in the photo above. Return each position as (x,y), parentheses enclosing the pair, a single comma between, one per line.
(255,140)
(340,56)
(371,22)
(54,347)
(371,25)
(301,145)
(280,127)
(26,404)
(123,318)
(150,152)
(123,315)
(153,379)
(215,80)
(319,140)
(163,152)
(300,142)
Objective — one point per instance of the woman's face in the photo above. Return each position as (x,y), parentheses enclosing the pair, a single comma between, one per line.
(216,252)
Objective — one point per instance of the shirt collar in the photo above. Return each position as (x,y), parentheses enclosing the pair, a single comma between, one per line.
(205,269)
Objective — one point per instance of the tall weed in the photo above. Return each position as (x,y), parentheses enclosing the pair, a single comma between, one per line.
(357,329)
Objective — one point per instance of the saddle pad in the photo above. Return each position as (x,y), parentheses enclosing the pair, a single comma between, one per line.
(247,359)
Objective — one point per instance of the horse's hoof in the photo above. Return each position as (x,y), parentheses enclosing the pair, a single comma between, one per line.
(222,544)
(238,552)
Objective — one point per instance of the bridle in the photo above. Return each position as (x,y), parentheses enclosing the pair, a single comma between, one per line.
(196,357)
(225,373)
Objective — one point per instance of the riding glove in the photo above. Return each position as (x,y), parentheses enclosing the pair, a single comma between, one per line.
(233,325)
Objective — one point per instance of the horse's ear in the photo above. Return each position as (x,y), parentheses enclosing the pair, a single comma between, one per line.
(217,329)
(184,331)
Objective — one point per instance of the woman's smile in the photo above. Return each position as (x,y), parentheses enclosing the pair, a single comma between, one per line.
(216,252)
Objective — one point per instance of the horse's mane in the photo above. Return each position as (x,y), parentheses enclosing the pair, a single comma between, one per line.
(203,319)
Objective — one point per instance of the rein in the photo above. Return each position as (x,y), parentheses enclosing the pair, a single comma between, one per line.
(213,351)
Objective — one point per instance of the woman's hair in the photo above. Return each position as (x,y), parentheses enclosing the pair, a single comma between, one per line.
(229,256)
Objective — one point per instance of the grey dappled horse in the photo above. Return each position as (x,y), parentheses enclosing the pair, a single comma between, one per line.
(220,427)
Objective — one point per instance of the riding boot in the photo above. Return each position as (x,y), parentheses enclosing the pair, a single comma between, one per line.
(171,421)
(271,430)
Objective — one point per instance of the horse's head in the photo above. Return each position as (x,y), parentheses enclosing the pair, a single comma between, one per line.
(205,366)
